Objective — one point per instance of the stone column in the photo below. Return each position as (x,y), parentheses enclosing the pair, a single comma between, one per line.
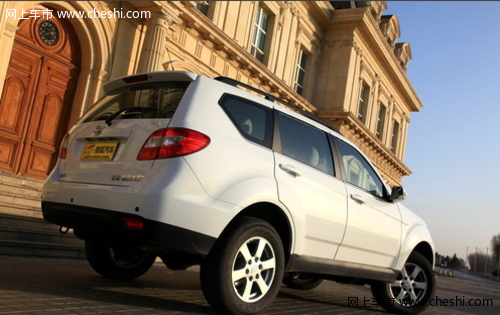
(153,47)
(403,137)
(6,42)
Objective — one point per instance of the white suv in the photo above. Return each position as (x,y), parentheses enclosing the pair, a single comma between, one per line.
(215,172)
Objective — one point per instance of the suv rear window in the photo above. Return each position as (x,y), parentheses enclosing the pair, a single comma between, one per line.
(158,100)
(254,121)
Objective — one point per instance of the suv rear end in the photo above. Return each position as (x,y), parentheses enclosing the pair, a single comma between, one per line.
(151,164)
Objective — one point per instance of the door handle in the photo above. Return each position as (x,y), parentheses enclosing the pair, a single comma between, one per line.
(289,170)
(358,199)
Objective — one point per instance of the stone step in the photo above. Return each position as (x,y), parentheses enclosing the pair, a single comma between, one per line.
(30,236)
(20,190)
(25,223)
(27,248)
(20,181)
(42,235)
(20,209)
(19,193)
(22,228)
(19,200)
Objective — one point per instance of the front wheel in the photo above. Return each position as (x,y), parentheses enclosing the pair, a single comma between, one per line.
(118,262)
(412,290)
(243,272)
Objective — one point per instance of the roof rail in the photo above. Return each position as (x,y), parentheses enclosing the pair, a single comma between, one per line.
(273,98)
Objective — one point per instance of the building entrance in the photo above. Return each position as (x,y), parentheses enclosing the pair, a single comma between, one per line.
(37,95)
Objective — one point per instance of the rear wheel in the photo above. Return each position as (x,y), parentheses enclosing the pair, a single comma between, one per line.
(412,290)
(243,272)
(301,281)
(118,262)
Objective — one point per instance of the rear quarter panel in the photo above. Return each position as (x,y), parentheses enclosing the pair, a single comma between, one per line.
(232,169)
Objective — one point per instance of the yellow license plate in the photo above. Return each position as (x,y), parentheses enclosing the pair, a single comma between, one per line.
(99,151)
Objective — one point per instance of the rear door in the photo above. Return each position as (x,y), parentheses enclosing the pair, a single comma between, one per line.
(304,170)
(103,147)
(373,231)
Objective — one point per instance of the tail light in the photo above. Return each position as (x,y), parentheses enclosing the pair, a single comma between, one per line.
(172,142)
(63,151)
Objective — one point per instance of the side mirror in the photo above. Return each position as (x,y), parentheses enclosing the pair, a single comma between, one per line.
(398,194)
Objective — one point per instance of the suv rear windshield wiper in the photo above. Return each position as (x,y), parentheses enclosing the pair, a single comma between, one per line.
(110,119)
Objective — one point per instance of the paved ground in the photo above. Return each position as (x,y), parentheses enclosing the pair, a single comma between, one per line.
(61,286)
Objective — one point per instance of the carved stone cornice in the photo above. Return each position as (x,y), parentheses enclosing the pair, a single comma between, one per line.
(353,129)
(163,12)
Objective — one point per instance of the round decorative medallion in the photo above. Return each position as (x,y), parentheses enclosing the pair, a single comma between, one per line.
(49,33)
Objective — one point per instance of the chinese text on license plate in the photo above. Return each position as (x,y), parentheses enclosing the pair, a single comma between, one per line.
(99,151)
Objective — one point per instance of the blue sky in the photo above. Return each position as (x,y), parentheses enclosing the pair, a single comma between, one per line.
(453,143)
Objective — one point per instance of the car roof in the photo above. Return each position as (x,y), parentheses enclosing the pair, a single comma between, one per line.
(275,99)
(185,76)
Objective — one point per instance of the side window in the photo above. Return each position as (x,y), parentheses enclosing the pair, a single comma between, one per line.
(305,143)
(358,172)
(203,7)
(364,96)
(260,34)
(254,121)
(301,72)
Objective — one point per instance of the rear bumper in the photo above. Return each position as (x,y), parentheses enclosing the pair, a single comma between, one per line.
(105,225)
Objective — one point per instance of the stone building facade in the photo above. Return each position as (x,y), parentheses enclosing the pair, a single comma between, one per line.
(337,59)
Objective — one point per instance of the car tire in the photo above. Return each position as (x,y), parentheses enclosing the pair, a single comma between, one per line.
(301,281)
(411,292)
(243,272)
(118,262)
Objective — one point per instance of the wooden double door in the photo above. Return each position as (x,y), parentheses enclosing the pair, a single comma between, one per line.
(37,96)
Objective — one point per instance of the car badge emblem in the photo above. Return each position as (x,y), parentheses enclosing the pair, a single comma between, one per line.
(98,130)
